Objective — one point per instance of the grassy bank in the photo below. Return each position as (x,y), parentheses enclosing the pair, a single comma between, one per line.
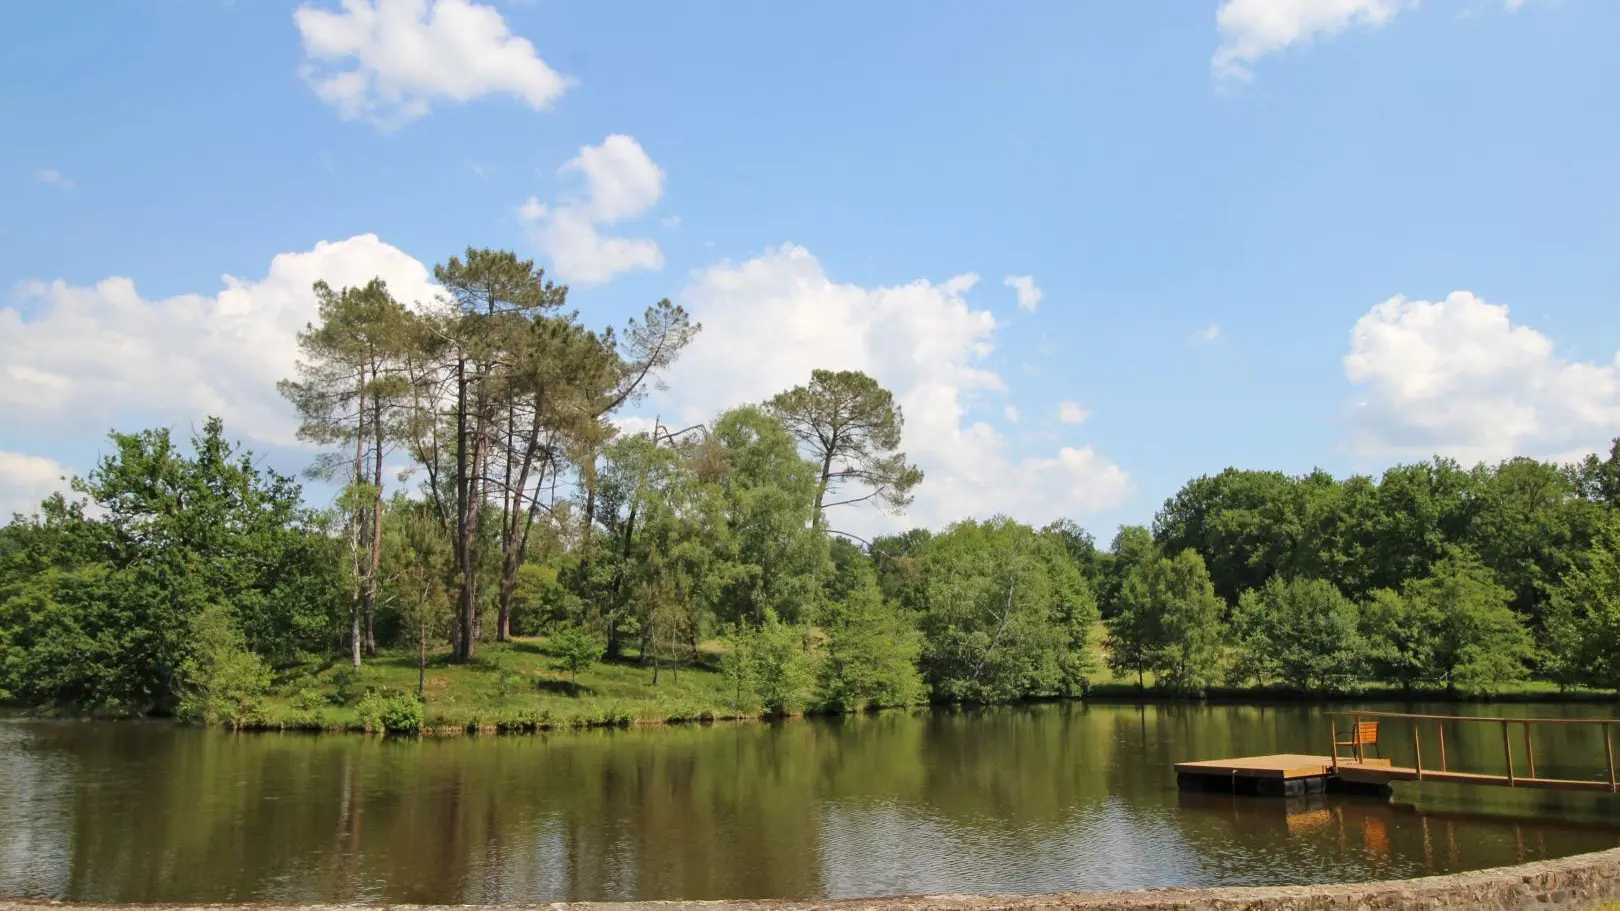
(514,686)
(518,687)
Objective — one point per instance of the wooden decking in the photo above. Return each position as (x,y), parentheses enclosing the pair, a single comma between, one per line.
(1278,775)
(1282,765)
(1290,774)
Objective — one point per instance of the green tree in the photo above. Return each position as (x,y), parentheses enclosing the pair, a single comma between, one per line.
(871,649)
(350,392)
(1246,525)
(775,554)
(1006,615)
(1134,637)
(851,427)
(417,567)
(1453,627)
(577,649)
(1583,617)
(1399,636)
(224,683)
(1303,632)
(1131,548)
(1526,527)
(1598,480)
(773,662)
(101,614)
(1188,623)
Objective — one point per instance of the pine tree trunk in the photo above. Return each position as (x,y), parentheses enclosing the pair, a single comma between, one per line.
(376,516)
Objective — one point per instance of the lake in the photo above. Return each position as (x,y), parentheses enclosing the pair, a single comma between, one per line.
(1030,799)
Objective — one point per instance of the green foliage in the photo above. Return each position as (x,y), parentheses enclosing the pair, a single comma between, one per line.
(850,426)
(186,580)
(1168,622)
(1453,628)
(1132,547)
(1583,619)
(773,663)
(1187,615)
(224,682)
(396,713)
(99,613)
(1006,615)
(768,493)
(1302,632)
(870,653)
(576,649)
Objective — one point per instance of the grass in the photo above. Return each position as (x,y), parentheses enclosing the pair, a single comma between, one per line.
(517,686)
(511,686)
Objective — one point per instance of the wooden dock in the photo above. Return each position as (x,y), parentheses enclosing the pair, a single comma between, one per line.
(1280,775)
(1294,774)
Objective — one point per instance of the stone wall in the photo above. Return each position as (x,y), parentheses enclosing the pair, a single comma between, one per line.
(1575,883)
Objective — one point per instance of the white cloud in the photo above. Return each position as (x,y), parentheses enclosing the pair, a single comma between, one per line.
(1072,413)
(621,182)
(54,178)
(532,209)
(92,357)
(1458,378)
(1250,29)
(1207,334)
(26,480)
(671,221)
(769,321)
(387,61)
(1029,294)
(1011,413)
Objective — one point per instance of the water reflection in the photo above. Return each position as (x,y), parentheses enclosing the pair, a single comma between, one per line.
(1033,799)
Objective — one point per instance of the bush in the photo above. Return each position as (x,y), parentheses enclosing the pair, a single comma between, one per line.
(395,714)
(224,682)
(772,663)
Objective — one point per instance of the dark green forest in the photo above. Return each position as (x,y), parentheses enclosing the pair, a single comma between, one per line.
(183,578)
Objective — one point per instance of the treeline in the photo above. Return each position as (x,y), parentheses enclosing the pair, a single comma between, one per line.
(197,583)
(1429,576)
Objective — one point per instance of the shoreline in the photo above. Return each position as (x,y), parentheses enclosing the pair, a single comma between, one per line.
(521,722)
(1577,882)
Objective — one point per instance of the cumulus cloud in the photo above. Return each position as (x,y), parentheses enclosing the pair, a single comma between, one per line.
(1072,413)
(621,183)
(85,358)
(1458,378)
(91,357)
(54,178)
(1251,29)
(1029,294)
(1207,334)
(387,61)
(25,480)
(1011,413)
(769,321)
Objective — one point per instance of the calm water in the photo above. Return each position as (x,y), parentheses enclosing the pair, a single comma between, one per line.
(1043,798)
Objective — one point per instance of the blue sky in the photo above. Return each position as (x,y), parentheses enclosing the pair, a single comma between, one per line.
(1265,233)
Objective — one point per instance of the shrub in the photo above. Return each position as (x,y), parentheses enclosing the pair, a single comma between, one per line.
(224,682)
(393,714)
